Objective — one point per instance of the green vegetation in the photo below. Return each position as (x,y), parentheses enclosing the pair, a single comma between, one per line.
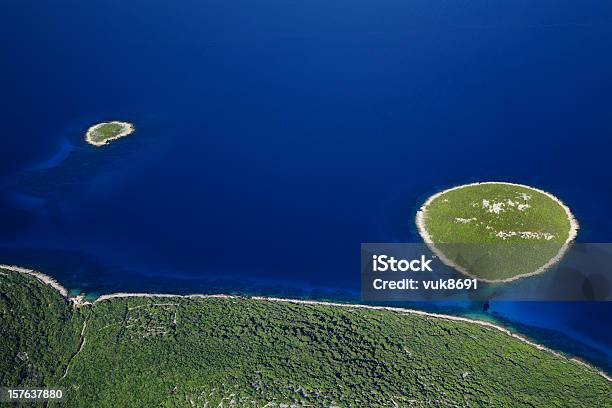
(103,133)
(38,331)
(497,231)
(188,352)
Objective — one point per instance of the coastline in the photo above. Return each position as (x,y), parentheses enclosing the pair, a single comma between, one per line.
(46,279)
(78,302)
(420,223)
(128,128)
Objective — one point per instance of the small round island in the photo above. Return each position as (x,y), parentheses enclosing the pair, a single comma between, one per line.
(496,231)
(103,133)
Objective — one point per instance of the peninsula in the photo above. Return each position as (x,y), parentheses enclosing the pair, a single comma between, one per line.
(497,231)
(105,132)
(221,350)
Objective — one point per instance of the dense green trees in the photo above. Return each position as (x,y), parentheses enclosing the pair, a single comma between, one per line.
(175,352)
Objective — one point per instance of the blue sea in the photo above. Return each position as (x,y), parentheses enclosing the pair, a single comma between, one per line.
(272,138)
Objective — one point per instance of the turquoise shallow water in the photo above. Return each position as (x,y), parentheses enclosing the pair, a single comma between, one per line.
(273,139)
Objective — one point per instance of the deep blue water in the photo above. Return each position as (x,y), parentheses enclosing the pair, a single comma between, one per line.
(274,137)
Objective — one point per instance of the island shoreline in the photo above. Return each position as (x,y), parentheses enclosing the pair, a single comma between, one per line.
(420,223)
(128,128)
(47,280)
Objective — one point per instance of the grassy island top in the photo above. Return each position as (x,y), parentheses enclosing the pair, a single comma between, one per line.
(497,231)
(102,133)
(239,352)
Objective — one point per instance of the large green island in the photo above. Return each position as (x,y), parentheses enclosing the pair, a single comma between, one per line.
(105,132)
(497,231)
(198,351)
